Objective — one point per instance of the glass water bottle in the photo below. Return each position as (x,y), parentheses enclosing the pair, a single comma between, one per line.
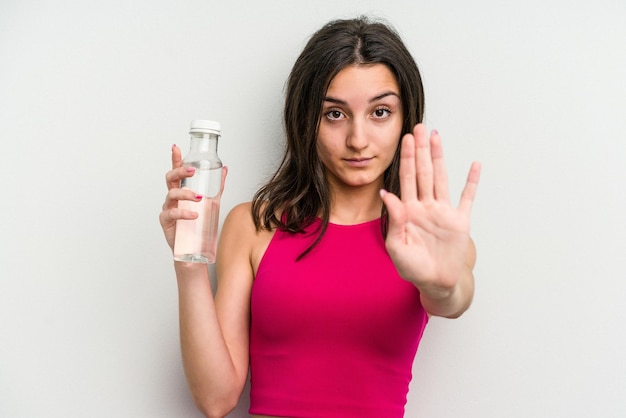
(196,239)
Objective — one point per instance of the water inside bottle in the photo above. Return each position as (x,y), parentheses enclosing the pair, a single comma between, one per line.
(196,239)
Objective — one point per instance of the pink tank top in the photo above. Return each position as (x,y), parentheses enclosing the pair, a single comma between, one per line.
(334,334)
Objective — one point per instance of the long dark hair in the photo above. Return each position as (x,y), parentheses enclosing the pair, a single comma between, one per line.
(298,192)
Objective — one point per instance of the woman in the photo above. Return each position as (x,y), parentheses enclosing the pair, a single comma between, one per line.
(327,278)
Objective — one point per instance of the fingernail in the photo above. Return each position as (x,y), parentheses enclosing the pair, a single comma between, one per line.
(173,146)
(198,197)
(382,192)
(435,132)
(190,169)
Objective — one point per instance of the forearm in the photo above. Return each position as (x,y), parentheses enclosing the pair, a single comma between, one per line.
(212,377)
(450,302)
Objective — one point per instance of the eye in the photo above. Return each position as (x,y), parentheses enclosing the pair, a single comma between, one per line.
(334,114)
(381,113)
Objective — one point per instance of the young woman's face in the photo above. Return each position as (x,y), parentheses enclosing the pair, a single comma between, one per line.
(360,126)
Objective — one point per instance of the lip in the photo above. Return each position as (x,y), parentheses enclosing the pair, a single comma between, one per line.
(358,162)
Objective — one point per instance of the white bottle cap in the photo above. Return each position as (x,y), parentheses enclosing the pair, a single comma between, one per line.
(205,126)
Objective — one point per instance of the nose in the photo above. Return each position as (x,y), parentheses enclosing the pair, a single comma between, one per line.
(357,137)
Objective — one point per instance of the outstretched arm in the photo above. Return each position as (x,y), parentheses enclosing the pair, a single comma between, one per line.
(428,239)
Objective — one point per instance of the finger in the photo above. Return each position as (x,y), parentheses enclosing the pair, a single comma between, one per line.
(396,212)
(168,217)
(408,185)
(423,163)
(440,173)
(175,195)
(469,191)
(172,178)
(177,159)
(224,174)
(175,175)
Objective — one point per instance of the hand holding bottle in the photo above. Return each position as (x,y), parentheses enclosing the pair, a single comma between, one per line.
(190,214)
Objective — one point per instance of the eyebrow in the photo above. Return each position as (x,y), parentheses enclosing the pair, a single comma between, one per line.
(373,99)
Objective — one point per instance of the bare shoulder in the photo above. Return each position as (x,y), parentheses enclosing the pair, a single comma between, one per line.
(237,236)
(240,218)
(240,238)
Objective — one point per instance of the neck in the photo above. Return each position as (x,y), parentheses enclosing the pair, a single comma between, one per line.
(355,205)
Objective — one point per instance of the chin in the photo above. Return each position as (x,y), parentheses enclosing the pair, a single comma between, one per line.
(361,182)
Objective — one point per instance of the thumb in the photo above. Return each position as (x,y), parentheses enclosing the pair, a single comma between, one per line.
(395,211)
(224,174)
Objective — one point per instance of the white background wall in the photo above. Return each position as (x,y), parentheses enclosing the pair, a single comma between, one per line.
(93,95)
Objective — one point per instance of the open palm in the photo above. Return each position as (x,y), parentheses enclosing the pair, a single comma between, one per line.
(428,239)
